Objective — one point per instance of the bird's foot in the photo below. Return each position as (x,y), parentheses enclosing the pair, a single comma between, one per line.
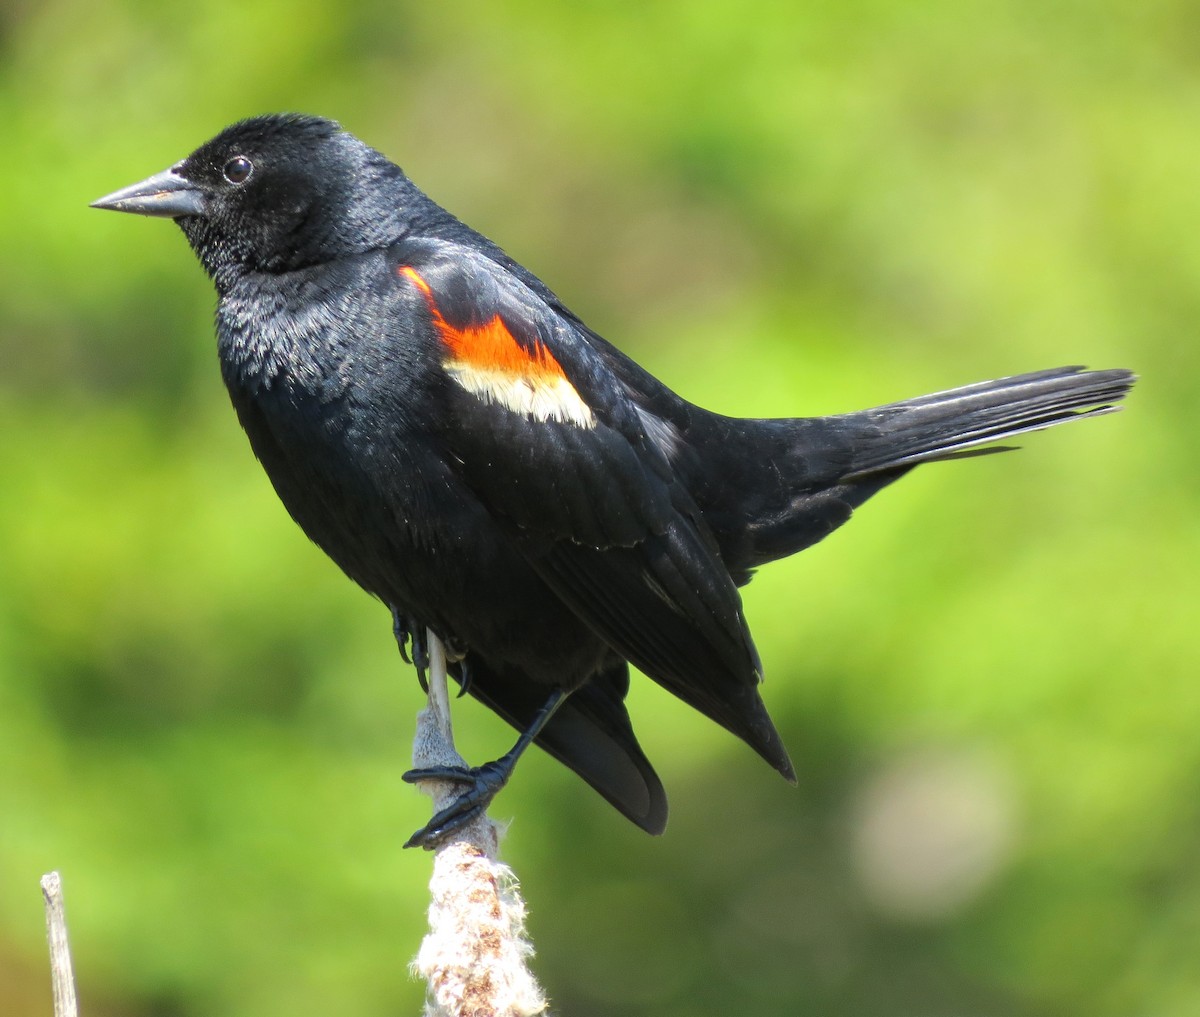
(413,640)
(410,632)
(483,783)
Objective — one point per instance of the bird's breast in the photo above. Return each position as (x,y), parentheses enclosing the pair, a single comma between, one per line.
(271,339)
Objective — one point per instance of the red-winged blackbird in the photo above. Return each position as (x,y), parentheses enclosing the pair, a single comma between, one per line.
(475,456)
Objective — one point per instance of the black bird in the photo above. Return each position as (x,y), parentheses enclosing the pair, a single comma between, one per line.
(475,456)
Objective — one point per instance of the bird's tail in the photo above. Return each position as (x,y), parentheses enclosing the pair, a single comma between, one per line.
(972,419)
(793,482)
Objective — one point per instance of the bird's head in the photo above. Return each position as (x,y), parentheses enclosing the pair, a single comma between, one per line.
(276,193)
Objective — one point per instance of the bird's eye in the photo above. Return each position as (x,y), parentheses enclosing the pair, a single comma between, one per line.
(238,169)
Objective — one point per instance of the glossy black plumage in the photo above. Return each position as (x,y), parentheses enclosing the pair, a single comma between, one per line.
(471,453)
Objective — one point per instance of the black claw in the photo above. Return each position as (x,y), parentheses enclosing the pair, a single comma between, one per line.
(442,826)
(420,657)
(484,783)
(412,639)
(420,652)
(458,774)
(464,678)
(402,630)
(456,656)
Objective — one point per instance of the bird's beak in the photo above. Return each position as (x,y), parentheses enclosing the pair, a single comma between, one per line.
(166,194)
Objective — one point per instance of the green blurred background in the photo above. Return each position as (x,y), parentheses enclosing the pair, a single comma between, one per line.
(988,680)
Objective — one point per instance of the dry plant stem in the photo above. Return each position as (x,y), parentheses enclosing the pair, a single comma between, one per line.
(61,973)
(474,957)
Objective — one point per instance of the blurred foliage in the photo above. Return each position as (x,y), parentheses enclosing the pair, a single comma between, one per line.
(988,679)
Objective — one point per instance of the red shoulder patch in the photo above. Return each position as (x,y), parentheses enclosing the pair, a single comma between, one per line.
(490,346)
(488,361)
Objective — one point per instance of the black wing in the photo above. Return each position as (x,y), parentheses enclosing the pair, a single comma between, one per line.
(549,440)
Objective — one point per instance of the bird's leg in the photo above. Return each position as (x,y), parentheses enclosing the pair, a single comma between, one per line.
(483,783)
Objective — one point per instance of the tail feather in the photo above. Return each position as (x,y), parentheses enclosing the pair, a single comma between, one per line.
(782,485)
(959,422)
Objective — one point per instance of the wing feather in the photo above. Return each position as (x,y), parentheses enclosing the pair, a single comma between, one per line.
(588,497)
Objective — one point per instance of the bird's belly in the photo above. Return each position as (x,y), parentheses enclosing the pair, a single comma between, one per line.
(415,536)
(370,487)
